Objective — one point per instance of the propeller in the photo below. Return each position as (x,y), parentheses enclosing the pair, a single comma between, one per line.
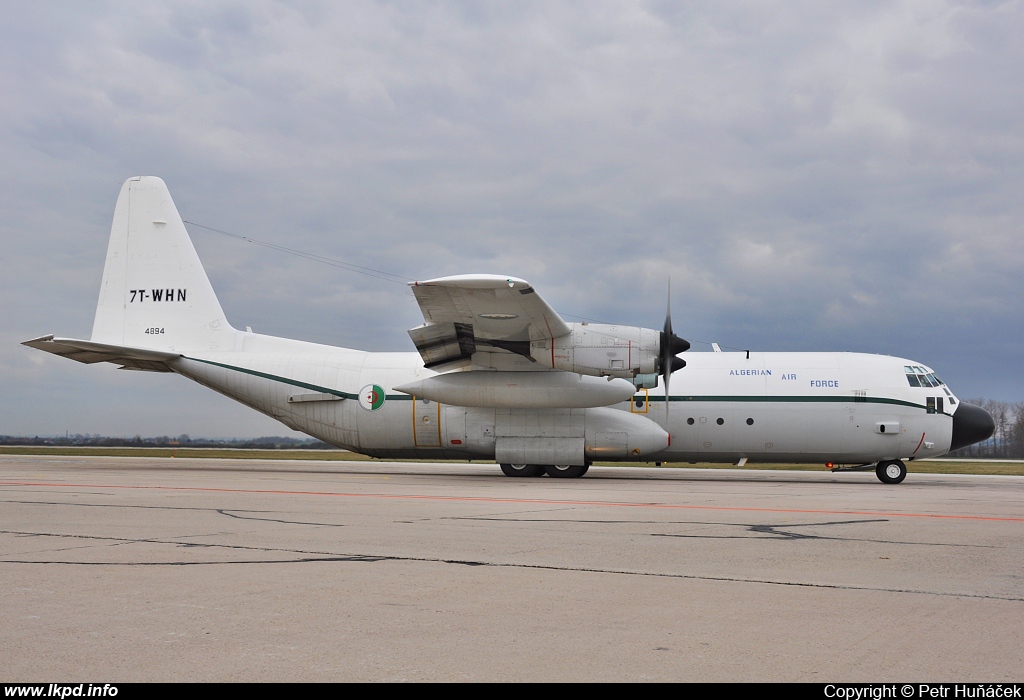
(671,345)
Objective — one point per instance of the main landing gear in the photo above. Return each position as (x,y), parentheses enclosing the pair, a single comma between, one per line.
(892,472)
(559,471)
(522,469)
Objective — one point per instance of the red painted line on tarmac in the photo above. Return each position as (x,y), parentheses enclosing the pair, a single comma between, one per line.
(533,501)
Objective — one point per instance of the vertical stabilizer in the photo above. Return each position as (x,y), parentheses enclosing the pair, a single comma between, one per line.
(155,292)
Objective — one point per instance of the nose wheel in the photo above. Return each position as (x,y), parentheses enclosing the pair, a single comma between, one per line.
(892,472)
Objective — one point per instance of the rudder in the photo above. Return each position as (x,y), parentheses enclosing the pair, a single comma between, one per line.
(155,292)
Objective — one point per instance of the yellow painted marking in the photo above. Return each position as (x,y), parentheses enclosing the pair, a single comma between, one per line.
(632,403)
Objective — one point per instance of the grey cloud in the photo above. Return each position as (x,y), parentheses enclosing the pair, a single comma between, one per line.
(809,176)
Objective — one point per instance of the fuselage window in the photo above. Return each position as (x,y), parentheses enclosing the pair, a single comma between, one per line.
(750,421)
(689,421)
(720,421)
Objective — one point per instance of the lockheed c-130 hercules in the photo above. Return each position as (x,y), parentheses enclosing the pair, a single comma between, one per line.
(500,375)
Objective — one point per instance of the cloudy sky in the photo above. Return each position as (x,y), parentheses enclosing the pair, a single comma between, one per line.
(811,176)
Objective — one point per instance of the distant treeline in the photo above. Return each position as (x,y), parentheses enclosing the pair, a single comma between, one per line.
(260,443)
(1008,440)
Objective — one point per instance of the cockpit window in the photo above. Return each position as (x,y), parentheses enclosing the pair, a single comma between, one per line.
(919,376)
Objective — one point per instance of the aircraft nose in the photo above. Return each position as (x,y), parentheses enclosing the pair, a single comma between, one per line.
(971,424)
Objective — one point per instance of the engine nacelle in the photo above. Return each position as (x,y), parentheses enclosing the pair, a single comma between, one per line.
(601,350)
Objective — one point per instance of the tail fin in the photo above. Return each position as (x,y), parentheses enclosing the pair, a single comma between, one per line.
(155,292)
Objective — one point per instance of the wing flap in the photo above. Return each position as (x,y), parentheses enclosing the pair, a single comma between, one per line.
(444,345)
(498,308)
(465,314)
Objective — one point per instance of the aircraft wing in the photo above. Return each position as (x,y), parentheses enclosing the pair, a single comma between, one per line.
(89,352)
(466,314)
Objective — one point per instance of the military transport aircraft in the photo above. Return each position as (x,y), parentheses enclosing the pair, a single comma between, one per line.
(499,375)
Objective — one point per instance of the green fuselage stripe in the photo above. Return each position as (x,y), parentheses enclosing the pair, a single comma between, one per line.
(653,399)
(276,378)
(789,399)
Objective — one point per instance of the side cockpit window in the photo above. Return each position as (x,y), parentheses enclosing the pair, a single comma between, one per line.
(920,377)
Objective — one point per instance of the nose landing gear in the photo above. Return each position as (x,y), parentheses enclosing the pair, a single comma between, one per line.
(891,472)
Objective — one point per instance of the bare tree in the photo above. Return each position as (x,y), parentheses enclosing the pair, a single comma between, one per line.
(1007,440)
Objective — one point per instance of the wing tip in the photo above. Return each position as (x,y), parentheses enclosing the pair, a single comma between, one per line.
(474,281)
(41,339)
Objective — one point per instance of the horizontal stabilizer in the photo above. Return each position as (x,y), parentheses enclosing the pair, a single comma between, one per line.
(89,353)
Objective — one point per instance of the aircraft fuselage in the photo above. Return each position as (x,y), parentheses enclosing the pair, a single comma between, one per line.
(843,408)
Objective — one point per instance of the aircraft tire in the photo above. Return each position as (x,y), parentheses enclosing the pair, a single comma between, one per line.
(565,471)
(525,470)
(892,472)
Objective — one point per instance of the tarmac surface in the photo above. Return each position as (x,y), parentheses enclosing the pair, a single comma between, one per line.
(140,569)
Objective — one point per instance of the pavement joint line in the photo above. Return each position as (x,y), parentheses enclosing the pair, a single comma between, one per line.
(538,501)
(323,557)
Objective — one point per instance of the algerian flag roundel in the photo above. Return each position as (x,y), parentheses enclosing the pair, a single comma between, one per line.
(371,397)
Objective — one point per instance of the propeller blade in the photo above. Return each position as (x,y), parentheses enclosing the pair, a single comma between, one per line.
(671,345)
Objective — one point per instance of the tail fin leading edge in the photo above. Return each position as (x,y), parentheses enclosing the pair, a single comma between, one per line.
(155,293)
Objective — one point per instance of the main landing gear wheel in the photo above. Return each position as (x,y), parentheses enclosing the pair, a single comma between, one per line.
(522,469)
(565,471)
(891,472)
